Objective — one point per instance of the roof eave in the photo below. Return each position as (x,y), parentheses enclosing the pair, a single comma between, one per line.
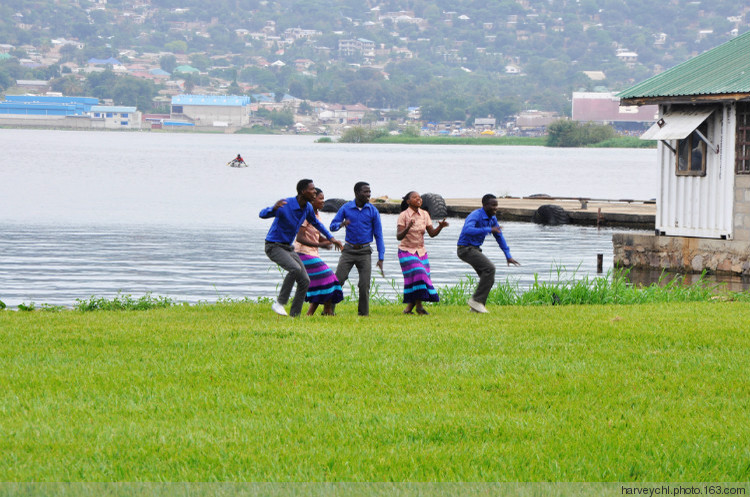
(685,99)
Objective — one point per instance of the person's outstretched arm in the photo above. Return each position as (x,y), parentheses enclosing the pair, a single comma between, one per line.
(271,211)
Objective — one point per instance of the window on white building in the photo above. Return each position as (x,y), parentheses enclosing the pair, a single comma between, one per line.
(742,142)
(691,153)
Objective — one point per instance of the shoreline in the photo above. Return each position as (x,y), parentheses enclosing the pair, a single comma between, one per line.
(509,141)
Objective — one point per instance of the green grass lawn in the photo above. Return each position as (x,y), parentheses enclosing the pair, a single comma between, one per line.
(655,392)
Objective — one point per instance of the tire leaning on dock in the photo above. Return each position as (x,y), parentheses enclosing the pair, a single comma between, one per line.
(551,215)
(333,204)
(435,205)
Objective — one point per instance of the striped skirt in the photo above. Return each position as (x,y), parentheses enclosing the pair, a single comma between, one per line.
(417,282)
(324,286)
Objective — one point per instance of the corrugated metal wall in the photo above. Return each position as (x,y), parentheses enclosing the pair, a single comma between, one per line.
(700,206)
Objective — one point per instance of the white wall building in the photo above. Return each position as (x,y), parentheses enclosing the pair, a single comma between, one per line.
(117,117)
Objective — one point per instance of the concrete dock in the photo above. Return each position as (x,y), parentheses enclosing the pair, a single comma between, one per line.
(628,213)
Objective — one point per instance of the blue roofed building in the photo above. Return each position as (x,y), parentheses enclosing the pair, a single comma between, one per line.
(212,110)
(104,62)
(66,112)
(46,111)
(39,105)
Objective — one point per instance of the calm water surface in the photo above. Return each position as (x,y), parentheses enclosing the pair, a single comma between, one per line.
(96,213)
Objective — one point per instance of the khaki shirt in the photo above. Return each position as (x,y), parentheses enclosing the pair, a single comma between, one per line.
(413,241)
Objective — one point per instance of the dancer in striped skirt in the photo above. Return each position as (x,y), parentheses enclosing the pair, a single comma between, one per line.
(324,286)
(411,226)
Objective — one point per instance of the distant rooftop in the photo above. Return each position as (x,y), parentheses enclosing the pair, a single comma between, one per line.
(214,100)
(113,108)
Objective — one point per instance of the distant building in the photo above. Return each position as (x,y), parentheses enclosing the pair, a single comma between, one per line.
(628,57)
(185,69)
(104,62)
(212,110)
(117,117)
(605,108)
(66,112)
(39,105)
(595,75)
(33,85)
(359,46)
(535,119)
(342,114)
(485,122)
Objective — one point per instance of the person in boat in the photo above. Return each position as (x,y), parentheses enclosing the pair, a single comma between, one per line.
(239,160)
(324,286)
(411,226)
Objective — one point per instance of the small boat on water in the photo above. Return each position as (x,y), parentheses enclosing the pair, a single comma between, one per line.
(236,163)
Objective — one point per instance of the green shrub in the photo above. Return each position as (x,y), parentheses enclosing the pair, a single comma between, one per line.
(625,142)
(565,133)
(563,288)
(358,134)
(26,307)
(123,303)
(255,130)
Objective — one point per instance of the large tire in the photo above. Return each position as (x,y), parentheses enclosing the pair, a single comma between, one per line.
(333,204)
(435,205)
(551,215)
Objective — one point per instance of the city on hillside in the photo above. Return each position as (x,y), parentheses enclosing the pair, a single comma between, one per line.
(507,67)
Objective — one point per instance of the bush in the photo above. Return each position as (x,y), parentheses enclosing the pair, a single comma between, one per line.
(358,134)
(564,133)
(123,303)
(626,142)
(412,131)
(281,118)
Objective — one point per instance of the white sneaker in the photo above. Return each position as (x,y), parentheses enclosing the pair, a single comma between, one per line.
(278,309)
(477,307)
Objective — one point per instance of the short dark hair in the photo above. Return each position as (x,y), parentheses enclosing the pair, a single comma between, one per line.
(302,184)
(318,191)
(486,199)
(359,185)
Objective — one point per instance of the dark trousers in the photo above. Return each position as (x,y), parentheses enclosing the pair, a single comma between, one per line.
(285,256)
(483,266)
(362,259)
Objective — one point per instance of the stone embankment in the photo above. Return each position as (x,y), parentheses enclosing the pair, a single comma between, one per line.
(681,254)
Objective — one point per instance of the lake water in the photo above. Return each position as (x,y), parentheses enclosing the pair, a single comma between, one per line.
(97,213)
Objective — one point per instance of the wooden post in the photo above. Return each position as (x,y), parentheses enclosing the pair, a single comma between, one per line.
(599,263)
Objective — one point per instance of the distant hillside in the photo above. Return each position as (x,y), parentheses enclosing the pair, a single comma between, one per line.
(452,57)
